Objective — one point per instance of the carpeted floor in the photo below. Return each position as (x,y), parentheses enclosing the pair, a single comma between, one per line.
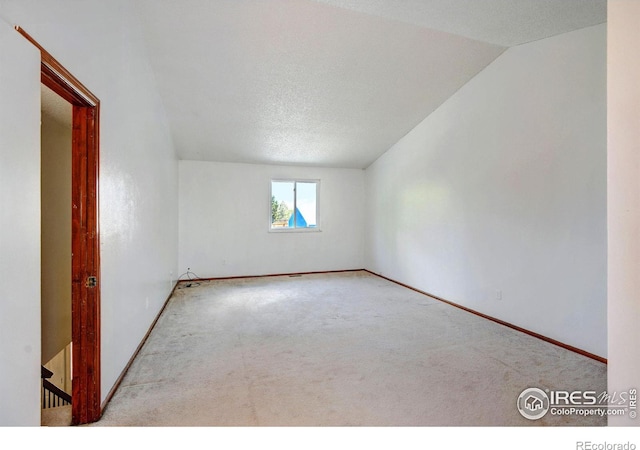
(344,349)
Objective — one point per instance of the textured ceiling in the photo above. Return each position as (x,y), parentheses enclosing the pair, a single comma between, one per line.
(501,22)
(311,83)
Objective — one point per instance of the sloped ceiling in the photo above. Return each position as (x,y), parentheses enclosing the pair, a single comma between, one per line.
(331,83)
(56,107)
(501,22)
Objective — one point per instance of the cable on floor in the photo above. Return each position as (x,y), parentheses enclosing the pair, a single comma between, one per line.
(192,279)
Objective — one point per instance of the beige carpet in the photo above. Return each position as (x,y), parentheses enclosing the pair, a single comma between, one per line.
(56,417)
(347,349)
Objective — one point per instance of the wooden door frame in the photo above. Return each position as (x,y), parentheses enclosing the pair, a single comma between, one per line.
(85,261)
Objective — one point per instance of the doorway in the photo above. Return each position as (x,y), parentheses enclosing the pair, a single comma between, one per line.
(56,233)
(85,238)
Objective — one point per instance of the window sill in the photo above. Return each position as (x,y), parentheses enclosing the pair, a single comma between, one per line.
(295,230)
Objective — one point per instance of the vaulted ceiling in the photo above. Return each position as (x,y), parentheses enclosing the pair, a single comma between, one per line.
(331,83)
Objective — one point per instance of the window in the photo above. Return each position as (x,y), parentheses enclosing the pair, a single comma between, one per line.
(294,205)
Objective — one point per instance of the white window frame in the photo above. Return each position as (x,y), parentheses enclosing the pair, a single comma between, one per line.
(295,201)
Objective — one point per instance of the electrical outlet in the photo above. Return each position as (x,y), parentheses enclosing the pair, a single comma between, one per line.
(499,295)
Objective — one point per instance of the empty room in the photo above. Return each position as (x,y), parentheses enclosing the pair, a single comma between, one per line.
(320,213)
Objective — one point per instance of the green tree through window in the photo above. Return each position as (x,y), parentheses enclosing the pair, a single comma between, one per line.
(279,211)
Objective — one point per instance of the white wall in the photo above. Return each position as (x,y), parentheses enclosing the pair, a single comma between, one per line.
(623,198)
(19,230)
(224,221)
(99,43)
(503,188)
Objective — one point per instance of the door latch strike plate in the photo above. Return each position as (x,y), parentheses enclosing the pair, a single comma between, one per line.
(91,282)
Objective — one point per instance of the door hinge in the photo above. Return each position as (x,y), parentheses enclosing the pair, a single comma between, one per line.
(91,282)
